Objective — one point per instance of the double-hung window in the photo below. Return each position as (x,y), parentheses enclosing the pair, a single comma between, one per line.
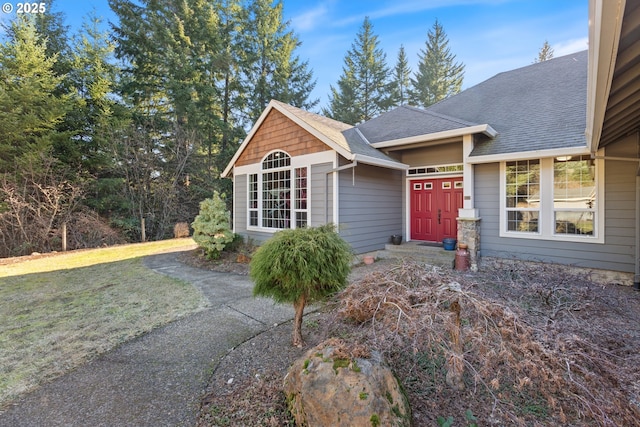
(552,198)
(277,196)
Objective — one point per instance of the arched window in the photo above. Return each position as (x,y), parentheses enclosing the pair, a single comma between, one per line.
(278,195)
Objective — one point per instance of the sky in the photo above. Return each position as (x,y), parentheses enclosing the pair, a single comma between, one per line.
(487,36)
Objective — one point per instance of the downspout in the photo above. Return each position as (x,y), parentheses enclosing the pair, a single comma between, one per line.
(326,184)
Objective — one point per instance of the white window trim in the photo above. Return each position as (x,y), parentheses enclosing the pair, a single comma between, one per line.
(546,229)
(307,160)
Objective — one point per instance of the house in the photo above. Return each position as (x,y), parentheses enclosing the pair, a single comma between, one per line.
(503,166)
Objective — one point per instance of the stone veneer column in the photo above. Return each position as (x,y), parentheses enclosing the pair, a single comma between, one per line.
(469,233)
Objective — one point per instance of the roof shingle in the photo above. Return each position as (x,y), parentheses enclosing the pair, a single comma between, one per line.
(541,106)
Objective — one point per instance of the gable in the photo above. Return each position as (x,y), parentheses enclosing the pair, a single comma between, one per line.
(278,132)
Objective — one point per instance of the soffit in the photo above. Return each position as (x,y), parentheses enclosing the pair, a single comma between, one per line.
(622,113)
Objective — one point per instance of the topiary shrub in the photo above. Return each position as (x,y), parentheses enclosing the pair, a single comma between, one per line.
(301,266)
(211,230)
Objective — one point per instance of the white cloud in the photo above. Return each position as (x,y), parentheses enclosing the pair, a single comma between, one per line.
(570,46)
(310,19)
(396,8)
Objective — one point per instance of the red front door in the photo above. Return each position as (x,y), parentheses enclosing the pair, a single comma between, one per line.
(434,208)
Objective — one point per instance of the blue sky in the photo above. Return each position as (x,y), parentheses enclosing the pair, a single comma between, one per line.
(487,36)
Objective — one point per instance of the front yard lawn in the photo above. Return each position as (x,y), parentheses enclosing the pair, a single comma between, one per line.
(57,312)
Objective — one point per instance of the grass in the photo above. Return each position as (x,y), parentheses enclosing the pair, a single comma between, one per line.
(57,312)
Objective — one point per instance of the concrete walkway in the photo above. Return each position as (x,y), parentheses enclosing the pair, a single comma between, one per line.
(158,378)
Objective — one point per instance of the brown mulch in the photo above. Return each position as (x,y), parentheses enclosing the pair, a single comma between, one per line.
(227,263)
(536,345)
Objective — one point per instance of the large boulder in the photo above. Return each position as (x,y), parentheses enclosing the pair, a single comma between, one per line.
(328,387)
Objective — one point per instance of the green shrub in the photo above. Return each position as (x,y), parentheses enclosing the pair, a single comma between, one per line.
(211,229)
(301,266)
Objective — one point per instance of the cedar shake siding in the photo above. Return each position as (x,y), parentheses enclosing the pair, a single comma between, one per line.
(278,132)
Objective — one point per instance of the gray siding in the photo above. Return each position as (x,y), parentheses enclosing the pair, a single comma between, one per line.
(240,203)
(370,207)
(616,253)
(321,194)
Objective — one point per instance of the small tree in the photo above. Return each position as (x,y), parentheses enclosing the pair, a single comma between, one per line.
(211,230)
(545,53)
(301,266)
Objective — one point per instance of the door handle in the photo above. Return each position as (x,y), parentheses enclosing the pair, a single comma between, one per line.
(439,215)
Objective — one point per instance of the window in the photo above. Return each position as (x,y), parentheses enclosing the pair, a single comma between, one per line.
(253,199)
(574,195)
(523,195)
(301,197)
(436,170)
(276,199)
(552,198)
(272,207)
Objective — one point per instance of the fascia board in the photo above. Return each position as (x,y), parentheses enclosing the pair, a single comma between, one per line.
(484,129)
(380,162)
(605,25)
(527,155)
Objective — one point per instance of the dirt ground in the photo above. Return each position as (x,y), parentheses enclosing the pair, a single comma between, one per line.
(552,347)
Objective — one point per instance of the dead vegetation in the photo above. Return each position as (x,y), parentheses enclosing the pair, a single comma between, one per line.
(517,344)
(521,356)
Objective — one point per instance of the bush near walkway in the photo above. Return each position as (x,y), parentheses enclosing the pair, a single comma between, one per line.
(301,266)
(211,228)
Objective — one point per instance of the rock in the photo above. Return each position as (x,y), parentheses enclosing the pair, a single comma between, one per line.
(327,388)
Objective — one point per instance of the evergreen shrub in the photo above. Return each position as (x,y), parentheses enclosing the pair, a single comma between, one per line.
(301,266)
(211,228)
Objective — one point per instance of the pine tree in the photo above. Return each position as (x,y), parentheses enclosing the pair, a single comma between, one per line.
(438,76)
(29,107)
(93,79)
(363,89)
(271,70)
(165,86)
(545,53)
(50,26)
(401,79)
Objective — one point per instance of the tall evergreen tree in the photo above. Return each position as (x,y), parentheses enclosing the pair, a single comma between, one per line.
(363,89)
(50,26)
(29,108)
(438,75)
(270,66)
(160,43)
(545,53)
(401,79)
(229,82)
(93,79)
